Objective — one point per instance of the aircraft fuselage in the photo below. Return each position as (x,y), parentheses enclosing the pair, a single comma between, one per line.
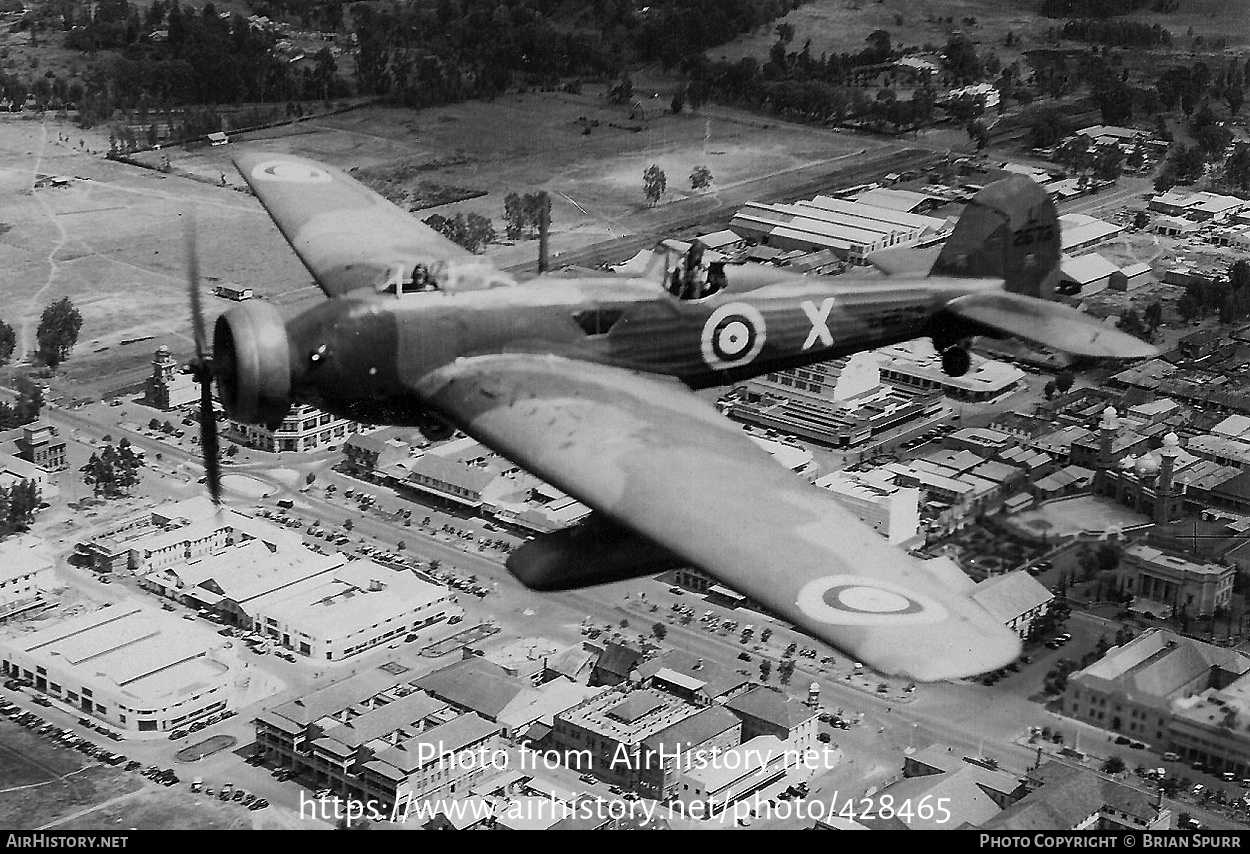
(372,348)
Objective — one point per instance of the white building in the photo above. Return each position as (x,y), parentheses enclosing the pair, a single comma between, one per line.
(137,668)
(350,609)
(915,364)
(25,571)
(851,229)
(889,509)
(305,428)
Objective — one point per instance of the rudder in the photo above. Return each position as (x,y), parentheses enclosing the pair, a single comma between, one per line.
(1010,231)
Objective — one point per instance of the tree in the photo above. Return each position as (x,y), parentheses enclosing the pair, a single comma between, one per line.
(1064,381)
(1141,220)
(653,184)
(659,630)
(960,58)
(401,545)
(766,667)
(1237,167)
(58,332)
(700,178)
(472,231)
(348,524)
(8,342)
(311,479)
(1049,389)
(1153,316)
(1113,765)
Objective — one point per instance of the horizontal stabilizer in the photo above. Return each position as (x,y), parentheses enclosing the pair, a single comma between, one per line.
(904,260)
(1049,324)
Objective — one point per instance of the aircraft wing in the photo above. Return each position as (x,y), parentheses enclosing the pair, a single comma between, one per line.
(347,235)
(905,261)
(1051,324)
(653,457)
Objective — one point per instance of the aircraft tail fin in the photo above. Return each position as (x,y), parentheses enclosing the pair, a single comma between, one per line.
(1009,231)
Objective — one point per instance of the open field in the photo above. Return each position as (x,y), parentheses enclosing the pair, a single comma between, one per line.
(112,238)
(40,781)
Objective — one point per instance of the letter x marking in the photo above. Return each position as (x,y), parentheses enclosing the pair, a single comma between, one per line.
(819,316)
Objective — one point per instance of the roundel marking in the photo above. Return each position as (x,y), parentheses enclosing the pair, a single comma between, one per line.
(852,600)
(733,335)
(290,172)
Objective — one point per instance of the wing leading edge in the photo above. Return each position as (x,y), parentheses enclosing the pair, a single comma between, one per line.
(347,235)
(656,459)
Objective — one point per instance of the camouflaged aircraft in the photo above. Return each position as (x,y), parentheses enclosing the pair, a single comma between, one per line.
(585,380)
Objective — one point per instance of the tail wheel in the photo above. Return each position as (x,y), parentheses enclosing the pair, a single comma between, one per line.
(955,361)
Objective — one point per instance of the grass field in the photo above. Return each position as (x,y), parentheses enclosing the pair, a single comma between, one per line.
(40,781)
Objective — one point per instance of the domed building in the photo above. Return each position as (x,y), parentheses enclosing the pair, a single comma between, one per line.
(1143,481)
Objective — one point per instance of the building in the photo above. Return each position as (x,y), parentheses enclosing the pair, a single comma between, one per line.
(889,509)
(850,229)
(1131,277)
(1196,206)
(672,751)
(137,669)
(737,774)
(1016,599)
(168,387)
(970,793)
(916,365)
(764,712)
(822,403)
(1066,797)
(305,428)
(176,532)
(1081,231)
(25,572)
(1085,274)
(446,482)
(15,470)
(351,608)
(1194,589)
(1131,689)
(40,443)
(372,455)
(605,734)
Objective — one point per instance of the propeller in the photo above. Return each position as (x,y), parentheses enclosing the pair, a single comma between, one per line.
(201,369)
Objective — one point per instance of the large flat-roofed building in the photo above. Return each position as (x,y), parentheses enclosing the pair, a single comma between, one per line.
(605,734)
(136,668)
(1213,728)
(916,365)
(891,510)
(305,428)
(850,229)
(352,608)
(1194,589)
(25,572)
(709,789)
(1131,689)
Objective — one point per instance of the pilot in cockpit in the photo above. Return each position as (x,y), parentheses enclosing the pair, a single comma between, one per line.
(691,279)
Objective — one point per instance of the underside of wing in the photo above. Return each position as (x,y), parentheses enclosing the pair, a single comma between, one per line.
(347,235)
(1050,324)
(655,459)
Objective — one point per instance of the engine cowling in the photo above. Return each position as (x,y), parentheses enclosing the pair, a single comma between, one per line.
(252,364)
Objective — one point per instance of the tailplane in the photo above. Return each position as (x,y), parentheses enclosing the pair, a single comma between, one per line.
(1009,231)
